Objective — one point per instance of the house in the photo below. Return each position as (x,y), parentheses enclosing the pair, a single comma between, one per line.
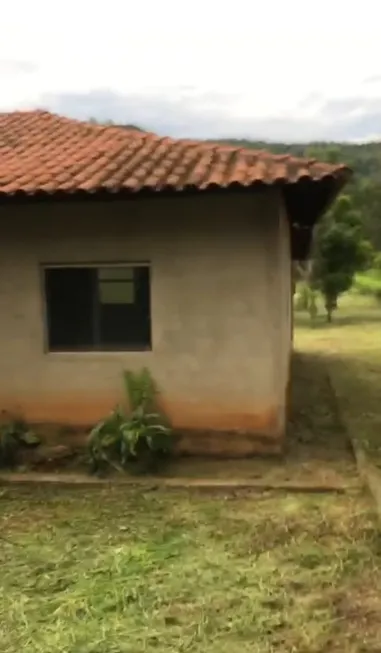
(120,249)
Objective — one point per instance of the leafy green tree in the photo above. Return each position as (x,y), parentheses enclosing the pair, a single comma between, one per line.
(339,251)
(366,194)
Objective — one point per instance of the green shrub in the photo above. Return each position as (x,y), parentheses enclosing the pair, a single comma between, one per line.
(14,436)
(133,437)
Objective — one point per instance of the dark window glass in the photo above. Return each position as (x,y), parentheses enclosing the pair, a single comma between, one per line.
(100,309)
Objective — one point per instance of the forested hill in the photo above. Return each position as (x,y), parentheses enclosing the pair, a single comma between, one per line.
(364,159)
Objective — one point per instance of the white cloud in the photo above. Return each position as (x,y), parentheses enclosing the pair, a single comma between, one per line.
(240,63)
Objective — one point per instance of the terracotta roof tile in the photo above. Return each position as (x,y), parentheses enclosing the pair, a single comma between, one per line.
(43,152)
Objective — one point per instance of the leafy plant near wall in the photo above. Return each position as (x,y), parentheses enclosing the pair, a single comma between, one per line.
(137,437)
(14,436)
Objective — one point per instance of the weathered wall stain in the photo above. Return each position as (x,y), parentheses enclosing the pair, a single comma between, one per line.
(80,410)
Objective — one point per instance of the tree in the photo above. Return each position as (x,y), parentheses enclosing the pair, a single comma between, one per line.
(366,194)
(339,251)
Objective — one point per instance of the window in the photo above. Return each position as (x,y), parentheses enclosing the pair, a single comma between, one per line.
(98,308)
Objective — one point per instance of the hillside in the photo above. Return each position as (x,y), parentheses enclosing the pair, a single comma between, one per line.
(364,159)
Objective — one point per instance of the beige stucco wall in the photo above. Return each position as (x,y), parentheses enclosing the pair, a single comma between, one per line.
(220,312)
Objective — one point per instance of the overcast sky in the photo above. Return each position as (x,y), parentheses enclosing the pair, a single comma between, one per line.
(279,70)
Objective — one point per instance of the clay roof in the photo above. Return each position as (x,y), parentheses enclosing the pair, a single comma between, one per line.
(42,153)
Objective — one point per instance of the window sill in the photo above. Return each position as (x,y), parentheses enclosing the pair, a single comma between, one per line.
(95,354)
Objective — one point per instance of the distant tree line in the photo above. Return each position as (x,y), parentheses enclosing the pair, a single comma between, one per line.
(109,123)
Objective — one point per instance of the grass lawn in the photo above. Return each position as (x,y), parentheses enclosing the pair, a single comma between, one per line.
(112,571)
(349,351)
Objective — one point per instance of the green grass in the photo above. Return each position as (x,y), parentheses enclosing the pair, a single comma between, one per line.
(112,571)
(369,283)
(349,350)
(116,570)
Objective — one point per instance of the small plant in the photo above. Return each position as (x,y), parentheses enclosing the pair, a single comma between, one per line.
(138,437)
(14,436)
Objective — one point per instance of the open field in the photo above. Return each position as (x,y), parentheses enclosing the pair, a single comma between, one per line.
(349,351)
(120,571)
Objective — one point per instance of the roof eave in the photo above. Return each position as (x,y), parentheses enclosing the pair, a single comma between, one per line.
(104,192)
